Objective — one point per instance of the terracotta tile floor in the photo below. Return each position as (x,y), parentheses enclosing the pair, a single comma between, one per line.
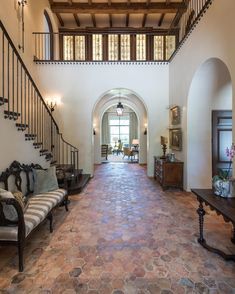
(123,234)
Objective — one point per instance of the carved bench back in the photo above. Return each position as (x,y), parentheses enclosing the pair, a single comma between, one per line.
(19,177)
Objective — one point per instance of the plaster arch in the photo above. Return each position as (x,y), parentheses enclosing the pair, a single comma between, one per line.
(130,99)
(210,89)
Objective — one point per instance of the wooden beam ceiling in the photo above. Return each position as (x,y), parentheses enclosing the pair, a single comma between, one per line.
(144,20)
(161,19)
(178,15)
(110,20)
(119,8)
(70,2)
(60,19)
(93,20)
(76,19)
(127,20)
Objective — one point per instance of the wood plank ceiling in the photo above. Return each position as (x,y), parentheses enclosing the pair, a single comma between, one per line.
(81,14)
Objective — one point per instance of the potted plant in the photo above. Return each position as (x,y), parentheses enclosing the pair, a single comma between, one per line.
(222,183)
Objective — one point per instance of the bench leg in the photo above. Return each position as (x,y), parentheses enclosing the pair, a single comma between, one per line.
(66,201)
(21,255)
(50,218)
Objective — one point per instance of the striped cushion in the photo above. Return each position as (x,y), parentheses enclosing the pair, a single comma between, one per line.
(39,206)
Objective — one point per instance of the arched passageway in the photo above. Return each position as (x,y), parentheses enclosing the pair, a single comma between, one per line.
(129,99)
(210,90)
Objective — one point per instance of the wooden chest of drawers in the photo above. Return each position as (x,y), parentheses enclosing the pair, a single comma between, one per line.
(167,173)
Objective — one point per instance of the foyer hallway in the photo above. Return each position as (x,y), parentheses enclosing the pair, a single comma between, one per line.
(122,234)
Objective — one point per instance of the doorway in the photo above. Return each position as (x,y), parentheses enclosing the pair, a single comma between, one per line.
(221,139)
(132,103)
(119,132)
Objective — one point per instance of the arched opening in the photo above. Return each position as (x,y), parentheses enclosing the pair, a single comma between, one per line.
(133,103)
(49,37)
(120,133)
(210,90)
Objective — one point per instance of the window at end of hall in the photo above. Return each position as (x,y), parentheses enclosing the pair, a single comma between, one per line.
(119,129)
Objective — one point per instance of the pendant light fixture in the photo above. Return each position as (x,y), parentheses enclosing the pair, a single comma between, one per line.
(119,108)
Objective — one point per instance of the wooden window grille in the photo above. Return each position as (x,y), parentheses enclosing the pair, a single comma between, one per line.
(68,47)
(125,47)
(158,48)
(170,46)
(113,47)
(80,48)
(140,47)
(97,45)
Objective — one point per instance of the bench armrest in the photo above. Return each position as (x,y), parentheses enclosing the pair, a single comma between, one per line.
(20,222)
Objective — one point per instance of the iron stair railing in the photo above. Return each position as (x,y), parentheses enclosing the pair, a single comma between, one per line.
(23,103)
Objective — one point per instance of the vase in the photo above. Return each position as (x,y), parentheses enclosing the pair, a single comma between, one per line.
(223,188)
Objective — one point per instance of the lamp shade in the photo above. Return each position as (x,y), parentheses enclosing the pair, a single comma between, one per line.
(135,142)
(164,140)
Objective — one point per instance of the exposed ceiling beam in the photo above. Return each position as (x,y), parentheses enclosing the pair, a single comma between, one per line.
(89,2)
(118,8)
(127,20)
(148,2)
(93,20)
(144,20)
(110,20)
(128,2)
(76,19)
(60,19)
(161,19)
(145,30)
(109,2)
(70,2)
(178,15)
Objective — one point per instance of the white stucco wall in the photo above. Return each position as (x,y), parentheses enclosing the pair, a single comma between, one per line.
(80,87)
(210,39)
(13,145)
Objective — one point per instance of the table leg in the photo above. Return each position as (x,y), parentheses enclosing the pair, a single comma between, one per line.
(233,235)
(201,213)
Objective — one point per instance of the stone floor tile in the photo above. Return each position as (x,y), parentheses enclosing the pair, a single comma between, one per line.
(123,235)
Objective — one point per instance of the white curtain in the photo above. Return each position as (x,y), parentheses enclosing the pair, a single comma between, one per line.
(133,127)
(105,129)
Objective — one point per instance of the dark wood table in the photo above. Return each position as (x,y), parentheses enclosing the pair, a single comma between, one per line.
(222,206)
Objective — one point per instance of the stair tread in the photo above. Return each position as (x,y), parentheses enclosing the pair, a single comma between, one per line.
(3,100)
(11,112)
(76,187)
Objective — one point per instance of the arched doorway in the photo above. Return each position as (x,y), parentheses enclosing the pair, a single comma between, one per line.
(210,90)
(129,99)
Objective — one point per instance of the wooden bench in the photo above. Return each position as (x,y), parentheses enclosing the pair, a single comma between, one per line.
(39,207)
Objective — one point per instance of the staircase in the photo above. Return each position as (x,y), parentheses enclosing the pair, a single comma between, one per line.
(23,103)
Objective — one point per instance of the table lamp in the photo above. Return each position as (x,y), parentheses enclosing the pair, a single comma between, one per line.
(164,142)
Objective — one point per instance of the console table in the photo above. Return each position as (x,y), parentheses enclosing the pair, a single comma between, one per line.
(168,173)
(222,206)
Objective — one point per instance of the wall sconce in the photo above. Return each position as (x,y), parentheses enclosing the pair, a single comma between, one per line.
(164,141)
(145,129)
(94,132)
(52,103)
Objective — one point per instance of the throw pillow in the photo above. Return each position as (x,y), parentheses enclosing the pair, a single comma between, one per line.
(9,211)
(21,199)
(45,180)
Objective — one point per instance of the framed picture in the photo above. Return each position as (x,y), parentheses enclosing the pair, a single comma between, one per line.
(175,115)
(176,139)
